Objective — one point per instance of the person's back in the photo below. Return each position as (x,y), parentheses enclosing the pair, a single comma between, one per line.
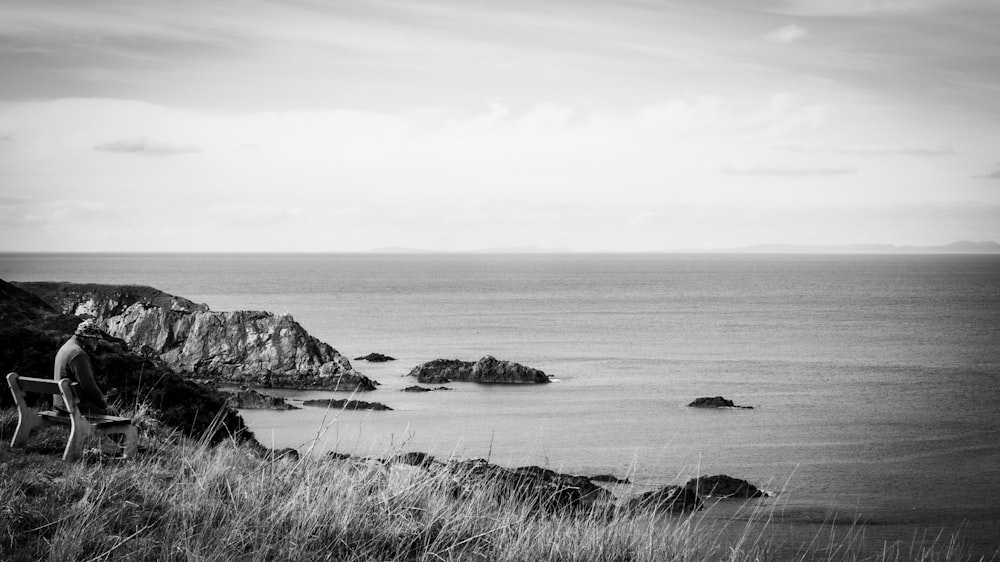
(73,363)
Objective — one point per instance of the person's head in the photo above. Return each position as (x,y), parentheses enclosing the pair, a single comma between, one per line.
(88,333)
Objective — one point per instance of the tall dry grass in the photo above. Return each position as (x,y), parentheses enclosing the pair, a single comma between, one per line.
(185,500)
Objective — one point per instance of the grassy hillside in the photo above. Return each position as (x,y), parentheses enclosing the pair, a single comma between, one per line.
(184,499)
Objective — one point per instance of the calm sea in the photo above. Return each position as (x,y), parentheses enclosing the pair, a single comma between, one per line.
(875,380)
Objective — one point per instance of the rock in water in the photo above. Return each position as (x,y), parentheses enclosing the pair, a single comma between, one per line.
(346,404)
(723,486)
(491,370)
(488,370)
(418,388)
(441,371)
(716,402)
(243,347)
(375,358)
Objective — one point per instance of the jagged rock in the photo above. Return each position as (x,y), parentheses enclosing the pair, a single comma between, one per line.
(723,486)
(441,371)
(242,347)
(418,388)
(375,358)
(670,499)
(716,402)
(346,404)
(486,370)
(249,399)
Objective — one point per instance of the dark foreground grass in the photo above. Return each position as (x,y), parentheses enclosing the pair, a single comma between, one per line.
(185,500)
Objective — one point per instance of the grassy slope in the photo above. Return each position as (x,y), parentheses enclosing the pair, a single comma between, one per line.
(186,500)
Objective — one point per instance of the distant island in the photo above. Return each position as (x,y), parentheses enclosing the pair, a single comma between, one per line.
(962,247)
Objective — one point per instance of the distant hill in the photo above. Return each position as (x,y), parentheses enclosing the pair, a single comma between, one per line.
(503,250)
(963,247)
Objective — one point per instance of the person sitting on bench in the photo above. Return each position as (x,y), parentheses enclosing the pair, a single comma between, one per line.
(73,363)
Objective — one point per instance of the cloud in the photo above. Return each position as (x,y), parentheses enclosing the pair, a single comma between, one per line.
(877,150)
(6,137)
(786,35)
(248,214)
(994,175)
(146,147)
(782,171)
(856,7)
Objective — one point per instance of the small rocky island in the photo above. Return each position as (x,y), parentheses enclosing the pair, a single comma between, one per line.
(375,358)
(488,370)
(716,402)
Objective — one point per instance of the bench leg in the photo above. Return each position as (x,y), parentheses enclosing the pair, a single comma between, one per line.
(77,438)
(131,442)
(27,422)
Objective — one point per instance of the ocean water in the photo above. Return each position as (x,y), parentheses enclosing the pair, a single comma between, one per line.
(875,380)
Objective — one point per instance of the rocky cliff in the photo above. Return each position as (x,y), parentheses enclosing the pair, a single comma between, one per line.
(487,370)
(244,347)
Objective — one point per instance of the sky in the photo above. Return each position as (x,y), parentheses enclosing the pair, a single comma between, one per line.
(459,125)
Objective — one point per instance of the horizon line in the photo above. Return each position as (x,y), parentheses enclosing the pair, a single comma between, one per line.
(957,248)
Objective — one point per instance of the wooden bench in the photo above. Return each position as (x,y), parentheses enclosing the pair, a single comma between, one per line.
(82,426)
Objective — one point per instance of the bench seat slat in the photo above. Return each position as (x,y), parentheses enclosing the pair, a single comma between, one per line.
(94,419)
(54,416)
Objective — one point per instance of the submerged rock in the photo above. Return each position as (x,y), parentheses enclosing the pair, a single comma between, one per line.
(488,370)
(716,402)
(346,404)
(244,347)
(723,486)
(418,388)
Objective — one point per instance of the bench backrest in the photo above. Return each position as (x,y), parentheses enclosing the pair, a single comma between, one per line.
(64,387)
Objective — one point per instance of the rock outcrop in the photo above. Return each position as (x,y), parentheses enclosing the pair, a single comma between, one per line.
(669,499)
(244,347)
(538,489)
(250,399)
(716,402)
(31,332)
(723,486)
(343,404)
(488,370)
